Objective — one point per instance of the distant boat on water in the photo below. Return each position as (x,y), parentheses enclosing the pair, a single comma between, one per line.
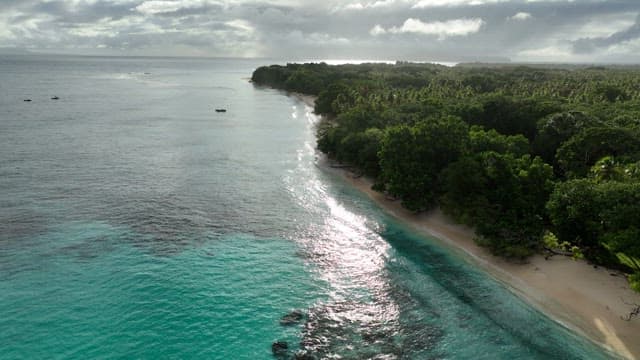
(221,110)
(55,98)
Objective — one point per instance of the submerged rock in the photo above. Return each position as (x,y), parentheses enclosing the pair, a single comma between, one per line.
(279,348)
(292,318)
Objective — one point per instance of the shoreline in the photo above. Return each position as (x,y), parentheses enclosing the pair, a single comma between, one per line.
(586,299)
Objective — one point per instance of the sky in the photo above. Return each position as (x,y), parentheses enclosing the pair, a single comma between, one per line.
(592,31)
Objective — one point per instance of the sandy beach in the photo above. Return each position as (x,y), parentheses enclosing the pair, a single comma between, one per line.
(590,300)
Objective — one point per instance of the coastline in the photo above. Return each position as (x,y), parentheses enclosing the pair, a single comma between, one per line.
(589,300)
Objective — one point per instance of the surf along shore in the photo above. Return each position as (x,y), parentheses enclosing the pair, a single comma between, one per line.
(590,300)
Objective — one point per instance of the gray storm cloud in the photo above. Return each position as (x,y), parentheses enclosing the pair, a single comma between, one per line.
(592,44)
(453,30)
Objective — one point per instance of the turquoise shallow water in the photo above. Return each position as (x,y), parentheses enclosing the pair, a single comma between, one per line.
(136,222)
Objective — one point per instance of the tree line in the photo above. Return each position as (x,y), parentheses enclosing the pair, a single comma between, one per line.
(531,157)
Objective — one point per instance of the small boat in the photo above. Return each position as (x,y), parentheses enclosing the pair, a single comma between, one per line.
(27,100)
(221,110)
(55,98)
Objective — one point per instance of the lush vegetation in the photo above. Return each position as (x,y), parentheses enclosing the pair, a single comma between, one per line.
(531,157)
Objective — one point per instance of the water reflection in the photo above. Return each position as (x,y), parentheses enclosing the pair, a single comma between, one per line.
(351,257)
(359,319)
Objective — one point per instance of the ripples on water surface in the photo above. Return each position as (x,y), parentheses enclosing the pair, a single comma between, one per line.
(136,222)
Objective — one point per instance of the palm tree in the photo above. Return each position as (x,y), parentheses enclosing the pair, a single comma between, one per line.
(606,169)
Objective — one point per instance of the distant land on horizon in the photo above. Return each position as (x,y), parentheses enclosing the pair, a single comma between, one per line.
(487,63)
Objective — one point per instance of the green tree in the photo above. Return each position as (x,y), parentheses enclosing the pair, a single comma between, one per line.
(603,219)
(411,158)
(557,128)
(607,169)
(324,102)
(482,140)
(511,116)
(573,212)
(503,196)
(576,156)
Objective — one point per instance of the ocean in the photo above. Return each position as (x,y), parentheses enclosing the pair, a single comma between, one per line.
(137,222)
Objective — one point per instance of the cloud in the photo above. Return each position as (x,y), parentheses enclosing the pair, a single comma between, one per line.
(377,30)
(16,27)
(359,6)
(153,7)
(241,26)
(452,3)
(442,29)
(466,30)
(355,6)
(591,44)
(548,53)
(521,16)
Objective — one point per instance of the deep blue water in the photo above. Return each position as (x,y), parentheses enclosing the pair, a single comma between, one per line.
(136,222)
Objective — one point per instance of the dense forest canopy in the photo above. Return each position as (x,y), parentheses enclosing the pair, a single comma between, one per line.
(531,157)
